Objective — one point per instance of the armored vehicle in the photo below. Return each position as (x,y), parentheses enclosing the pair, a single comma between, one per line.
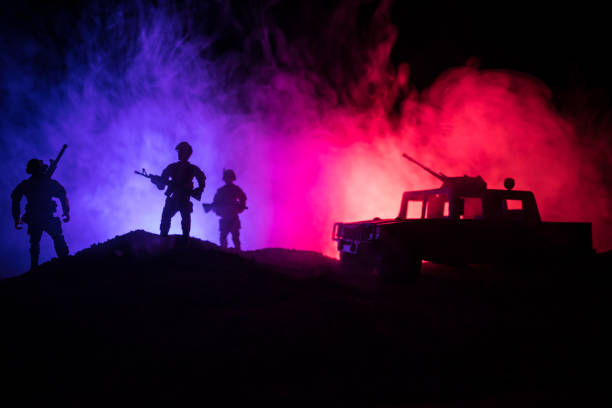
(462,222)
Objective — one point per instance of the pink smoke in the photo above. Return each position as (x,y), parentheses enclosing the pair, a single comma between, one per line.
(308,149)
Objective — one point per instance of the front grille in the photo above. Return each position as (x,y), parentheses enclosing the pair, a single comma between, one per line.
(357,232)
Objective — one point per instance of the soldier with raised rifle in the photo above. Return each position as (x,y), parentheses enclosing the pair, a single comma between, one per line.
(229,201)
(40,190)
(178,177)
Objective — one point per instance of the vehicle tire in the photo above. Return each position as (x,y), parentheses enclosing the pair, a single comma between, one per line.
(355,262)
(398,268)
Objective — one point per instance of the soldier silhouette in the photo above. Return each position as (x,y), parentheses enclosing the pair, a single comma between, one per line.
(179,179)
(39,191)
(229,201)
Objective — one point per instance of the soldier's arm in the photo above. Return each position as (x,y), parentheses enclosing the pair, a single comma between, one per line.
(242,197)
(200,177)
(165,176)
(216,198)
(16,197)
(161,181)
(60,192)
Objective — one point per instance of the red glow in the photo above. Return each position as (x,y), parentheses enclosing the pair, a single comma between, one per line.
(514,204)
(346,165)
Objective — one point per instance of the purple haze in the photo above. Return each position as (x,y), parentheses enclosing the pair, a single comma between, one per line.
(129,83)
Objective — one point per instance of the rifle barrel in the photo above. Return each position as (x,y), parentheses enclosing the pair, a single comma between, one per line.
(53,165)
(143,173)
(61,153)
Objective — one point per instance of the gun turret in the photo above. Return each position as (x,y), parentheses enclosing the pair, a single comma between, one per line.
(439,176)
(462,185)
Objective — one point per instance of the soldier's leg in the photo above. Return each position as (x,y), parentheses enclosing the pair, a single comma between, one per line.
(35,232)
(236,238)
(223,231)
(186,223)
(186,218)
(236,232)
(54,229)
(167,214)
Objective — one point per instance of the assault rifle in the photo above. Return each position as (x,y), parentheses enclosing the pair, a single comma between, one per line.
(51,169)
(213,206)
(160,183)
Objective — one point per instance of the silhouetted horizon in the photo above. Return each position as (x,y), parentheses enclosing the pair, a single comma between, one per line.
(311,103)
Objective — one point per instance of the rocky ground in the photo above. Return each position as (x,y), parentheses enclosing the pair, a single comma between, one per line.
(147,319)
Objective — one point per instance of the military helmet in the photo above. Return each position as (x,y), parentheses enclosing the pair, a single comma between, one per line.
(184,147)
(229,175)
(35,166)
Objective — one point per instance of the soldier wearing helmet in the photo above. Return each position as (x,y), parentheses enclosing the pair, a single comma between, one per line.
(179,179)
(39,191)
(229,201)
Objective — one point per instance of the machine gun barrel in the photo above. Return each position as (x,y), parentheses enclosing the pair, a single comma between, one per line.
(53,165)
(439,176)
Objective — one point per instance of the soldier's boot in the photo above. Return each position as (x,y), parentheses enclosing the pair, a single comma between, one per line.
(236,240)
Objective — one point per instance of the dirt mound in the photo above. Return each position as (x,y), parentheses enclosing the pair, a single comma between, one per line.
(140,242)
(141,246)
(141,316)
(294,263)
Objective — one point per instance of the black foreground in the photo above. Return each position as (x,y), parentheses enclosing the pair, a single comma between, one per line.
(143,318)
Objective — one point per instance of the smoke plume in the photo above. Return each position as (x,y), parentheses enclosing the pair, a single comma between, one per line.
(313,119)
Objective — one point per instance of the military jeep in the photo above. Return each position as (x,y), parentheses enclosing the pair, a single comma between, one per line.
(462,222)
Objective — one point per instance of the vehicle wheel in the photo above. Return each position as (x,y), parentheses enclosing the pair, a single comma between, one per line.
(354,262)
(399,268)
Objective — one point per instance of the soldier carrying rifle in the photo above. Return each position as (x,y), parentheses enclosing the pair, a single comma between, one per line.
(39,191)
(229,201)
(178,177)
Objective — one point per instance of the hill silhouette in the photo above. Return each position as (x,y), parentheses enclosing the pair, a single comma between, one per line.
(142,317)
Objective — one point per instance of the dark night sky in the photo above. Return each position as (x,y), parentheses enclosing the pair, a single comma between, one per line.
(563,47)
(566,47)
